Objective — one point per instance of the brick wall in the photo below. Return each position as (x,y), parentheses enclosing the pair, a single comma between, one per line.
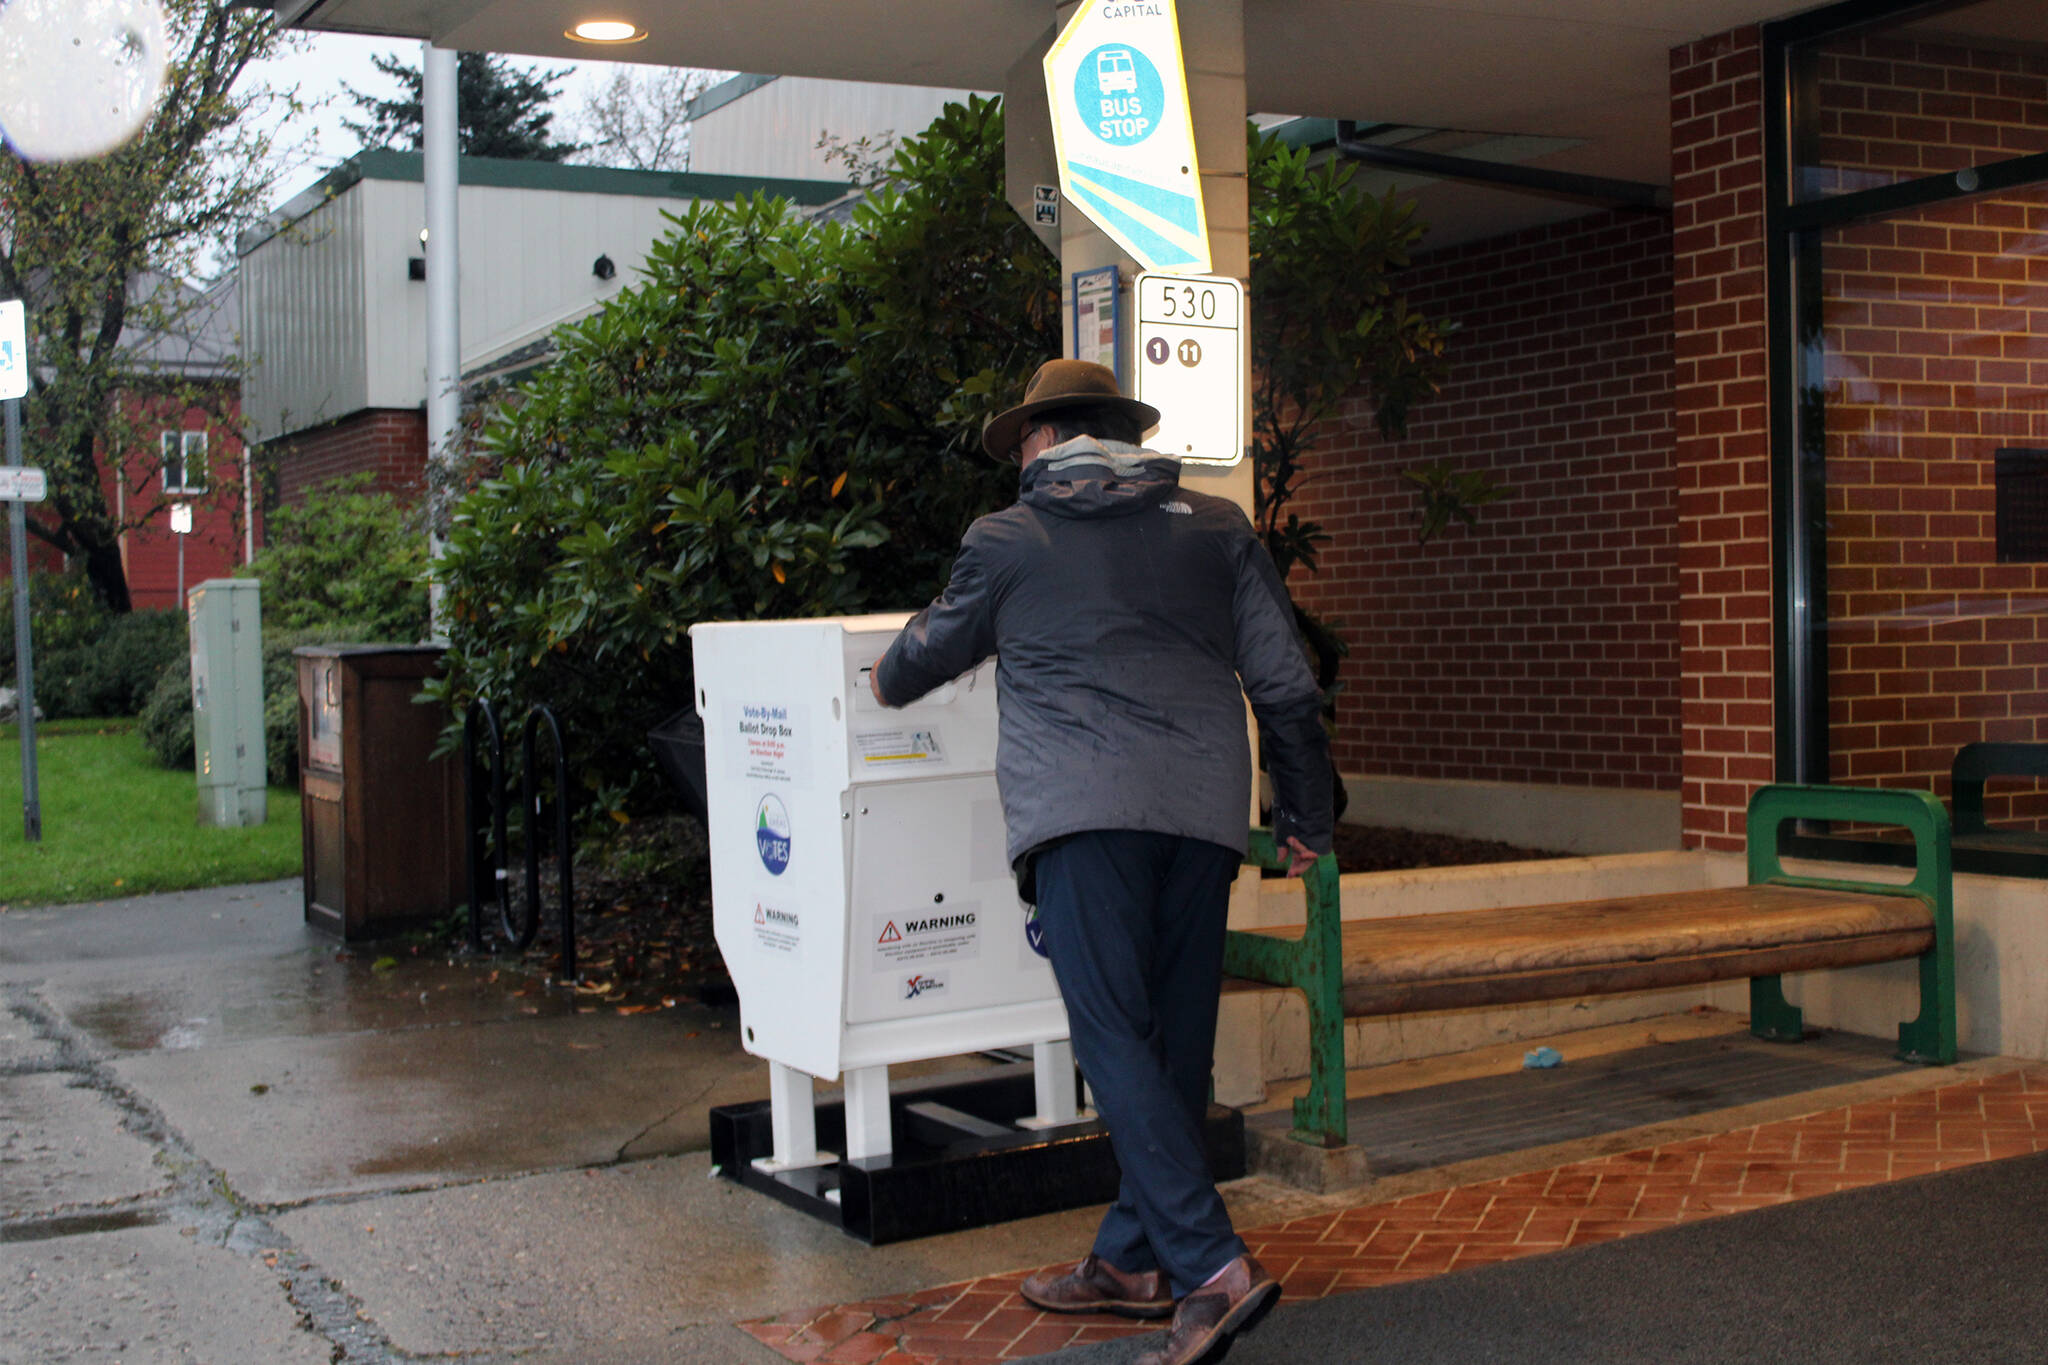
(390,444)
(1722,432)
(1539,646)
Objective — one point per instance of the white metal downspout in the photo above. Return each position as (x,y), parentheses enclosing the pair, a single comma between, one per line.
(248,503)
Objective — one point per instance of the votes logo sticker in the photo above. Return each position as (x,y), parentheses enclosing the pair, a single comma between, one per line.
(920,984)
(771,834)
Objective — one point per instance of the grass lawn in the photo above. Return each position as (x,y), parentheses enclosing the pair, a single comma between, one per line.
(115,824)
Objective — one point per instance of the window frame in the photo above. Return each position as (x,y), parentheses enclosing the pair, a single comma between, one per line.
(187,442)
(1794,230)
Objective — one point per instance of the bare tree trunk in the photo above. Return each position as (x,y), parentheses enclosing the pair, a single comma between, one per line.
(103,570)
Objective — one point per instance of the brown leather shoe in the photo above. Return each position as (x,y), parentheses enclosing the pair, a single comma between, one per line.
(1207,1319)
(1096,1286)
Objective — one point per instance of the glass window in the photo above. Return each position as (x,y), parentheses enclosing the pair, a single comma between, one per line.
(184,455)
(1966,86)
(1930,371)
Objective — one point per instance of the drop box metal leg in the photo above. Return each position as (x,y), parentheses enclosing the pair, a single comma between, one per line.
(1052,1083)
(867,1112)
(793,1119)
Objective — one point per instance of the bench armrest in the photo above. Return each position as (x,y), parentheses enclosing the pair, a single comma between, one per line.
(1320,883)
(1314,965)
(1920,813)
(1976,764)
(1932,1036)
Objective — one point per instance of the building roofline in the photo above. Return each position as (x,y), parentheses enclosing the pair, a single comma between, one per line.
(725,92)
(383,163)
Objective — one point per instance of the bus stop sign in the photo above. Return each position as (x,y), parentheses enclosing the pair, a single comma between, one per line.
(13,349)
(1123,135)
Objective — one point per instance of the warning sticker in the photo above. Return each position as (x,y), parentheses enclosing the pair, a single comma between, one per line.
(921,939)
(778,931)
(898,748)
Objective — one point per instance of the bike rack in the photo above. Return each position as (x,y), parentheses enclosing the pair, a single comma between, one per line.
(488,877)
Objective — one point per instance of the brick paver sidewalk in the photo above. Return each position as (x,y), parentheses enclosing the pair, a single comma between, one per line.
(1479,1224)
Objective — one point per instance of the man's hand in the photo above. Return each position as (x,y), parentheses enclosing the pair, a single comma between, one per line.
(875,682)
(1300,857)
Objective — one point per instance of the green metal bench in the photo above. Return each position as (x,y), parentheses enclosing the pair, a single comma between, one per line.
(1777,923)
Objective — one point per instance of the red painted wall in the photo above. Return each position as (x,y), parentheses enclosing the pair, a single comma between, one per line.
(134,489)
(214,548)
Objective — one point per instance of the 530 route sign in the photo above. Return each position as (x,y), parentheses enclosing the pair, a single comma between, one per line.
(1190,364)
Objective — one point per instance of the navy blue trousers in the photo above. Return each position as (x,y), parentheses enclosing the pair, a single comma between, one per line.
(1133,923)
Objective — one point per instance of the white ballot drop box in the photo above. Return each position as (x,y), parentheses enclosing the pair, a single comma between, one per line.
(860,891)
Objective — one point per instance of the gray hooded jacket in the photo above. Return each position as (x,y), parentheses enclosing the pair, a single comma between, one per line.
(1124,612)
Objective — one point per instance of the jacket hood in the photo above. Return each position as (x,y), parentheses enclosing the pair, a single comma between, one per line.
(1087,478)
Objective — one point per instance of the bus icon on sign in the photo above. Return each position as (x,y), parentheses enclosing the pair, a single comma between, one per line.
(1114,71)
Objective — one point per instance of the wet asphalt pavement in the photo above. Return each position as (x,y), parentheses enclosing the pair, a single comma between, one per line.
(226,1138)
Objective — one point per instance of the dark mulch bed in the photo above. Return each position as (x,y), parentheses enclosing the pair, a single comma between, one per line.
(1369,848)
(644,935)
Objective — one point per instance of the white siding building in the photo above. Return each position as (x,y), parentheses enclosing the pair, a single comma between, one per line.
(771,125)
(333,300)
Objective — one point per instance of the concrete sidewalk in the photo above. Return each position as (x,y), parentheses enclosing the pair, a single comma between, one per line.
(226,1138)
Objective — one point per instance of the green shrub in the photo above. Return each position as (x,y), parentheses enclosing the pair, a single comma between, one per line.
(63,613)
(343,566)
(111,673)
(345,553)
(780,420)
(166,721)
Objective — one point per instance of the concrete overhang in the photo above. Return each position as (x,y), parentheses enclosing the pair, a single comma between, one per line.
(1592,75)
(1558,68)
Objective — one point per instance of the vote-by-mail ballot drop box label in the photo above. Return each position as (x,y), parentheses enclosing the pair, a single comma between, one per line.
(860,891)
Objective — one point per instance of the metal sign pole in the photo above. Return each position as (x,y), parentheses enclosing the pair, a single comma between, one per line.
(24,654)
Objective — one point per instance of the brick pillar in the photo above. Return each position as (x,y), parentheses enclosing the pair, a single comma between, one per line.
(1722,430)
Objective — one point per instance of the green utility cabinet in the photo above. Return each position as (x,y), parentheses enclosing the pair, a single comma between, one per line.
(225,618)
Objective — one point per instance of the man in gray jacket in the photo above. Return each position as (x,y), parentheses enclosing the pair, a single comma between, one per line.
(1130,620)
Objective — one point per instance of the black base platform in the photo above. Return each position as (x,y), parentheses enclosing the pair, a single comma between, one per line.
(960,1161)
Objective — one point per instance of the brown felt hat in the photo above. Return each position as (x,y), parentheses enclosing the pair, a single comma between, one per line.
(1060,384)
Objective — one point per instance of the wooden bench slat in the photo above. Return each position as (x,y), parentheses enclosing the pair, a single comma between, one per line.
(1600,936)
(1614,978)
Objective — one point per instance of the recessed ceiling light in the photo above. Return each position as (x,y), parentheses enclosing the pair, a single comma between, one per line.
(607,31)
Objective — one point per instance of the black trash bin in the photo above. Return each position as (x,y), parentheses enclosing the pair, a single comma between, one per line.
(678,745)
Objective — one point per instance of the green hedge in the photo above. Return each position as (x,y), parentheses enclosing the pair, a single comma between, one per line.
(781,419)
(88,661)
(166,721)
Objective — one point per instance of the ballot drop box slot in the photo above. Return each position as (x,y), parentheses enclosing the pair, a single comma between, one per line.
(860,891)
